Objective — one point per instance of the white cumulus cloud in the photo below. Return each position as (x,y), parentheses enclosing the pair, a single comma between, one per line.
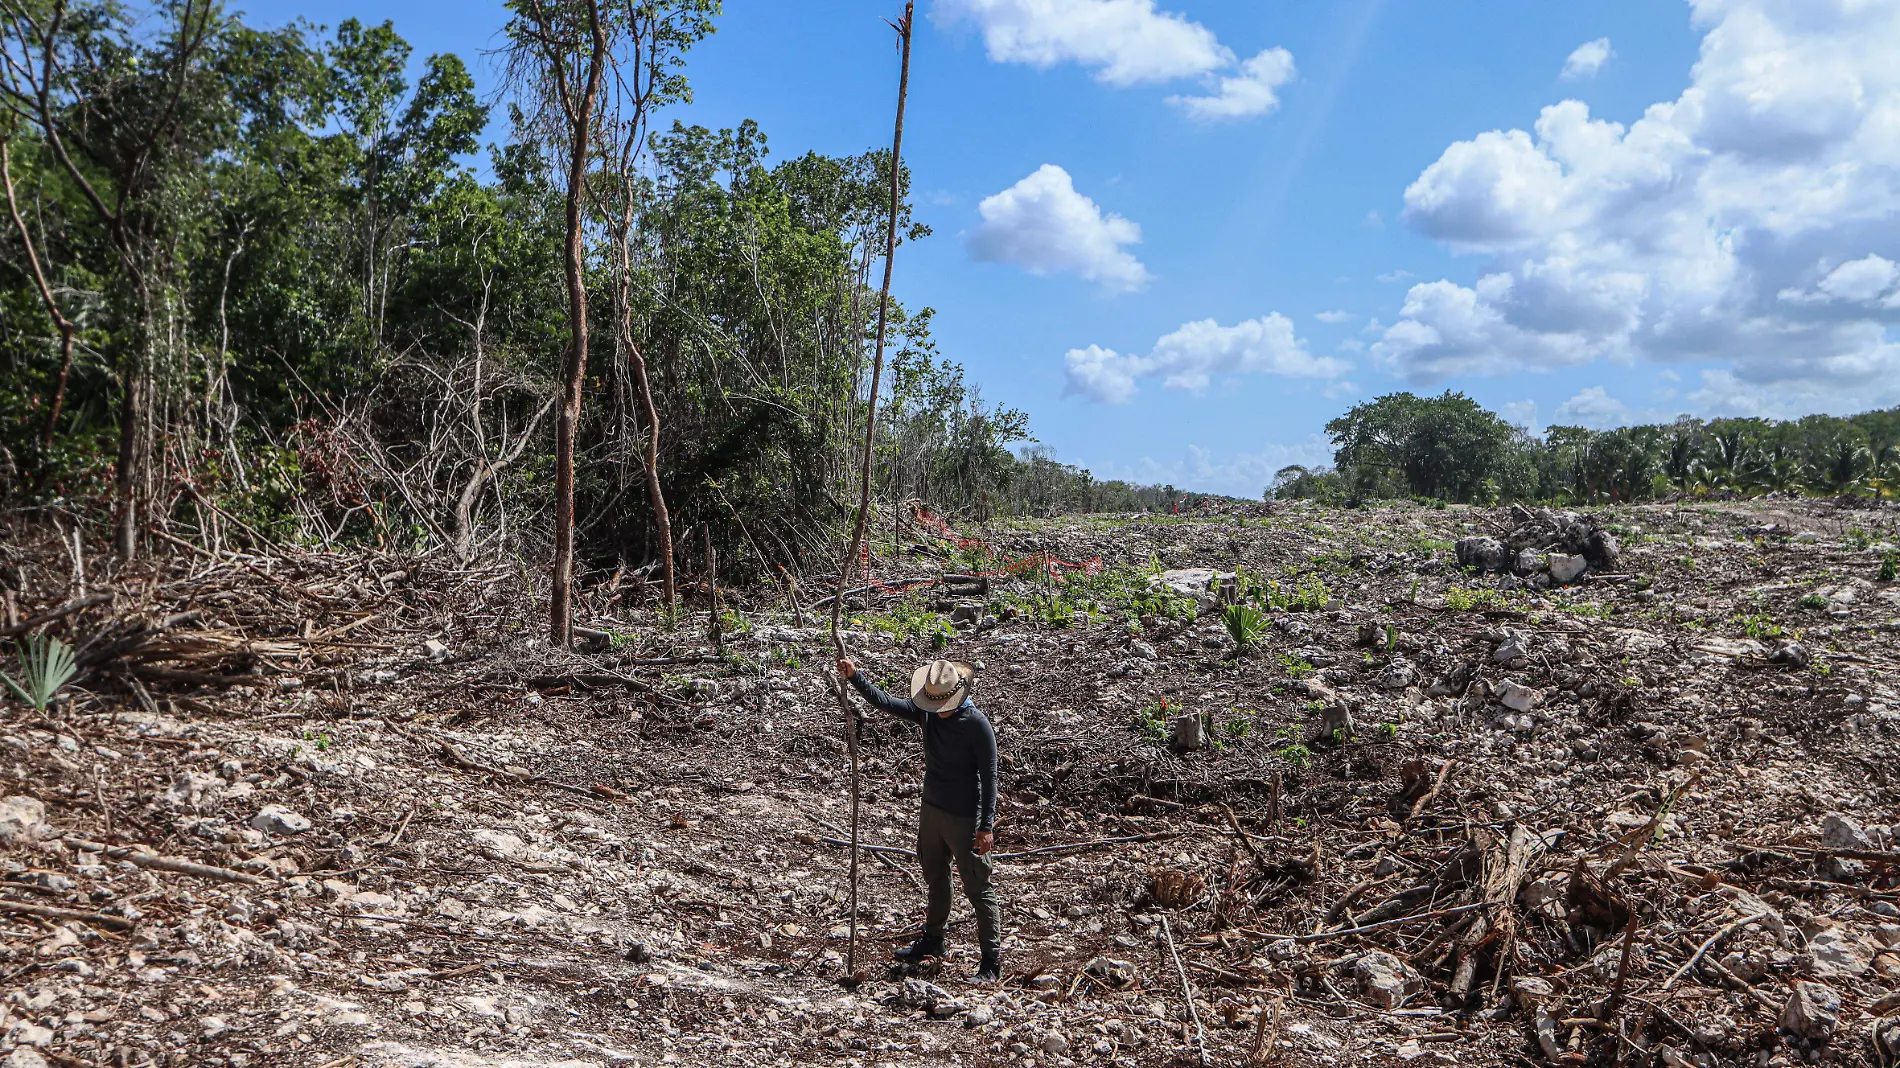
(1593,407)
(1250,91)
(1589,58)
(1333,316)
(1752,223)
(1188,358)
(1128,42)
(1520,413)
(1044,226)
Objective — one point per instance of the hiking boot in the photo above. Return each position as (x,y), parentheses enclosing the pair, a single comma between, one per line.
(927,945)
(991,969)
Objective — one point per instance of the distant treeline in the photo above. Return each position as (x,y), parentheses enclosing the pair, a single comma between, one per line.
(1450,448)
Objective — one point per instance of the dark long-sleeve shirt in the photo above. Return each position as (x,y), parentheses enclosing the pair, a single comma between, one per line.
(959,754)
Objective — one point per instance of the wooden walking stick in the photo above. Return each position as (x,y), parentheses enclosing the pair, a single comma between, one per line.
(864,484)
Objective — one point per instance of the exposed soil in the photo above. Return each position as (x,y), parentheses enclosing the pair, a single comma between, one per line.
(1678,849)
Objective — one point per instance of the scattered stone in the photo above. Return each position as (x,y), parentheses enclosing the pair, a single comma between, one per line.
(22,821)
(1565,569)
(1841,831)
(1385,980)
(1054,1044)
(1813,1011)
(24,1057)
(1518,697)
(1835,955)
(1112,972)
(434,650)
(1142,651)
(1398,674)
(276,819)
(979,1016)
(1529,991)
(1793,654)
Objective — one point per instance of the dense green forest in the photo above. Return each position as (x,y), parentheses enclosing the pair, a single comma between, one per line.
(258,284)
(1450,448)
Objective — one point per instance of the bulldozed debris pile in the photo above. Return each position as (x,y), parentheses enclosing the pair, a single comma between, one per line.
(1545,546)
(304,808)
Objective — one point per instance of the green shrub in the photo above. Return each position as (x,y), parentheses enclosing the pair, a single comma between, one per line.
(46,666)
(1296,754)
(1245,624)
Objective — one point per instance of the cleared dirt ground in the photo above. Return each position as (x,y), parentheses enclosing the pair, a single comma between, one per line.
(353,813)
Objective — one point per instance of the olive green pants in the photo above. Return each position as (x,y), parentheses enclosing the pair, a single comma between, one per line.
(941,837)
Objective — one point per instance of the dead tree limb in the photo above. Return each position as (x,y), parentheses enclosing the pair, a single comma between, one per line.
(864,481)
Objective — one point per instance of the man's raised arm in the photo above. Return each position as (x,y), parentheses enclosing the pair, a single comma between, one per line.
(902,709)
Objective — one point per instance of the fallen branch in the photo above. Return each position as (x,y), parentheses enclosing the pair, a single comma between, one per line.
(1706,946)
(894,584)
(157,862)
(117,923)
(75,605)
(1187,992)
(1380,926)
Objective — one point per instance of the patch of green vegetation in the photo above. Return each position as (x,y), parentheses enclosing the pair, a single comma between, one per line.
(732,622)
(1296,754)
(1128,592)
(1588,609)
(1309,594)
(1468,600)
(1294,666)
(1813,600)
(46,665)
(1858,539)
(909,621)
(322,740)
(1757,626)
(1246,625)
(1889,567)
(1152,721)
(1238,727)
(1388,731)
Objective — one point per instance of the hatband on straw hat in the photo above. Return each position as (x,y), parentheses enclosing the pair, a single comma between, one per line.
(940,684)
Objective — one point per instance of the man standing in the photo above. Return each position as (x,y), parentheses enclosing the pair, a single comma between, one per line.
(958,817)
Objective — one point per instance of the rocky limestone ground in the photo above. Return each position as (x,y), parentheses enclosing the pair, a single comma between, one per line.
(322,810)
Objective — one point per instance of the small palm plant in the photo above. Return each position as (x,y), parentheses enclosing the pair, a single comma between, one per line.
(1245,624)
(46,665)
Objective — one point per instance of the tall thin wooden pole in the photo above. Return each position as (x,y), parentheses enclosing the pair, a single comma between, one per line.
(864,481)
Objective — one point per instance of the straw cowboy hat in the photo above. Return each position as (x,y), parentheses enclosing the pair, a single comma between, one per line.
(940,684)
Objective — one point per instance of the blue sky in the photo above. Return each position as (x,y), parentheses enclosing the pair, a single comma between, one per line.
(1577,213)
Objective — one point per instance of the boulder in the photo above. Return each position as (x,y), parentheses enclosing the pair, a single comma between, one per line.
(1565,569)
(1488,554)
(1602,550)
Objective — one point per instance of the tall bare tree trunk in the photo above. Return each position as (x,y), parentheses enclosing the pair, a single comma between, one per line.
(580,127)
(662,521)
(864,480)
